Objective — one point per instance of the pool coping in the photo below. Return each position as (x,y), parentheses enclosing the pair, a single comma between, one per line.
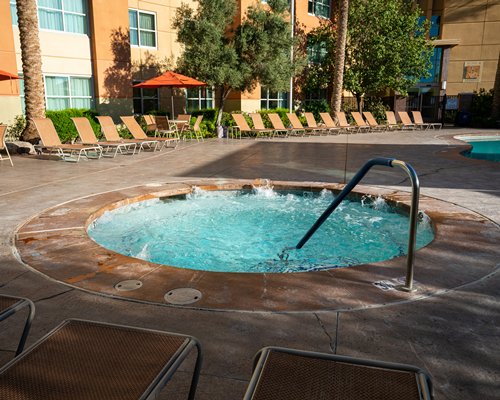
(55,243)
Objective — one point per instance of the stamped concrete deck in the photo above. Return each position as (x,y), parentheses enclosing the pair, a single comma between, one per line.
(449,327)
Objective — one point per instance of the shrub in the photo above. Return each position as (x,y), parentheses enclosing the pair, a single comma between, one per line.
(14,131)
(482,103)
(207,125)
(317,107)
(64,125)
(280,111)
(377,107)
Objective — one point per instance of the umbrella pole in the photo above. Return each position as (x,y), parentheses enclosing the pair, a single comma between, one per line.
(172,97)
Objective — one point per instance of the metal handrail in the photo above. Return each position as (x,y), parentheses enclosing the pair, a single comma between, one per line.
(389,162)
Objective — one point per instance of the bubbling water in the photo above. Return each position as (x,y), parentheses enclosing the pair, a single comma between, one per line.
(242,231)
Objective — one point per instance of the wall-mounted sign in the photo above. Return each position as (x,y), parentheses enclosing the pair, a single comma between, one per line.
(472,71)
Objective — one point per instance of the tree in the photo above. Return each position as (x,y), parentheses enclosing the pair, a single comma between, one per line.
(228,58)
(34,92)
(495,110)
(338,76)
(386,47)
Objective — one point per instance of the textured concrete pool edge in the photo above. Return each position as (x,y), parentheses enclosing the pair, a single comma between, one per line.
(463,251)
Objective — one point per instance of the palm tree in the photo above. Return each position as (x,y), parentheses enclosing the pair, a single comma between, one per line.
(34,93)
(338,77)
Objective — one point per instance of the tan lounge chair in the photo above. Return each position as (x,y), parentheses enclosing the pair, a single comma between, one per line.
(405,120)
(87,136)
(81,360)
(312,124)
(296,124)
(343,124)
(111,134)
(373,122)
(391,120)
(164,128)
(3,146)
(280,127)
(281,373)
(183,123)
(52,143)
(360,122)
(9,305)
(329,123)
(137,132)
(258,124)
(243,127)
(419,122)
(195,130)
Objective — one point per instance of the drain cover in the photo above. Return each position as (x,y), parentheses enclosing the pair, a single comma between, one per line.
(183,296)
(126,286)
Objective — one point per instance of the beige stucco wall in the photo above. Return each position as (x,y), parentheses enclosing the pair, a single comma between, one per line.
(62,53)
(10,106)
(476,24)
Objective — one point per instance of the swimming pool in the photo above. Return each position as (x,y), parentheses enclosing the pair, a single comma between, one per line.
(483,147)
(243,231)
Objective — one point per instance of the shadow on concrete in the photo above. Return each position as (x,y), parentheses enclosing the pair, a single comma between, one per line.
(327,162)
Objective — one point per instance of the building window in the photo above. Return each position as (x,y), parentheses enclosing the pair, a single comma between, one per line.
(435,29)
(21,94)
(142,28)
(435,70)
(63,15)
(199,99)
(316,52)
(270,100)
(145,100)
(319,8)
(13,12)
(68,92)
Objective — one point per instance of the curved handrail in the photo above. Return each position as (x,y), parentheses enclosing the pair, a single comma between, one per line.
(389,162)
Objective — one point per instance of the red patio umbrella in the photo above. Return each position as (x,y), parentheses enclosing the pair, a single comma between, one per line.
(172,80)
(4,75)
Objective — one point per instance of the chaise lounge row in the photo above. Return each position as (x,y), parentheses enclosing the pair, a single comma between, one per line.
(90,147)
(328,125)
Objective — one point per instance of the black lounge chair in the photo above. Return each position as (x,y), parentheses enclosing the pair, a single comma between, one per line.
(9,305)
(93,360)
(281,373)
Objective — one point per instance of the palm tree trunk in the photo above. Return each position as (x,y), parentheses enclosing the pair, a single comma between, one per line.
(495,112)
(34,93)
(338,78)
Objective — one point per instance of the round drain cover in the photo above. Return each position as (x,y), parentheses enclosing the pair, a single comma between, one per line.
(183,296)
(126,286)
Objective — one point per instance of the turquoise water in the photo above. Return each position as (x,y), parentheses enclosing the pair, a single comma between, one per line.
(241,231)
(484,149)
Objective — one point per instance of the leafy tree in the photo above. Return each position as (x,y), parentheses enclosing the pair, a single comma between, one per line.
(386,47)
(229,58)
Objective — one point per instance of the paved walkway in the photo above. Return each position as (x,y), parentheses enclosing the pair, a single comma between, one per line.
(453,335)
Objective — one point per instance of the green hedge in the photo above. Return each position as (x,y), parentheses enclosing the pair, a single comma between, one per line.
(208,122)
(65,126)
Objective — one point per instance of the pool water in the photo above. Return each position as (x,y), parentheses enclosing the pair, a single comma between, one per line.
(484,148)
(244,231)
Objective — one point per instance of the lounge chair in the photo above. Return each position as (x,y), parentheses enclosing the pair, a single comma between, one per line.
(150,121)
(343,124)
(281,373)
(406,120)
(419,122)
(94,360)
(3,146)
(391,120)
(280,127)
(242,127)
(195,130)
(373,122)
(137,132)
(9,305)
(87,136)
(360,122)
(111,134)
(183,123)
(329,123)
(51,142)
(312,124)
(297,125)
(258,124)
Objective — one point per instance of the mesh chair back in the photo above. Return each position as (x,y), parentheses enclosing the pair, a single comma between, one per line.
(85,130)
(109,129)
(134,128)
(47,132)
